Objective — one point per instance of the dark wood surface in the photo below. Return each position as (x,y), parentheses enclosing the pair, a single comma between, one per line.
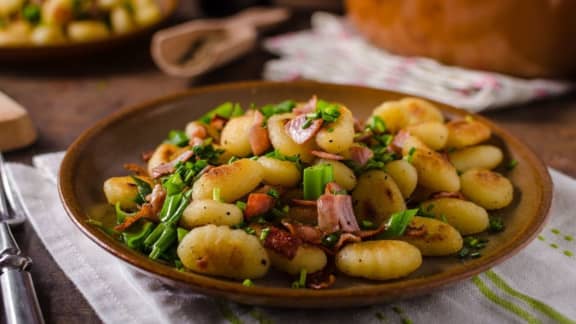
(66,98)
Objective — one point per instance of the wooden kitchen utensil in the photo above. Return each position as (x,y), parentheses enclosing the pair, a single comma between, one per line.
(16,128)
(196,47)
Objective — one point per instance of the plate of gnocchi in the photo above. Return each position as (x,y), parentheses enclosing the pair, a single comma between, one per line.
(304,194)
(49,29)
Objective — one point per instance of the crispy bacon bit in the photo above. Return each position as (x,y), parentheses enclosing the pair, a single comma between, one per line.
(196,141)
(144,212)
(156,198)
(308,107)
(196,130)
(335,212)
(361,154)
(416,231)
(305,203)
(282,242)
(369,233)
(326,155)
(146,155)
(320,280)
(295,128)
(399,140)
(258,204)
(202,262)
(259,140)
(167,168)
(136,169)
(306,233)
(217,122)
(346,238)
(446,194)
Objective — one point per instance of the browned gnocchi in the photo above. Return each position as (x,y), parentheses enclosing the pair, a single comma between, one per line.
(306,189)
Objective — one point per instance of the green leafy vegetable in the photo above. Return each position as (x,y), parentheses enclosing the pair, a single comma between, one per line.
(174,184)
(328,112)
(121,215)
(181,232)
(410,155)
(264,233)
(32,13)
(135,235)
(398,223)
(167,238)
(496,224)
(315,180)
(376,125)
(331,239)
(279,108)
(273,193)
(247,283)
(177,137)
(511,165)
(226,110)
(143,189)
(472,247)
(301,282)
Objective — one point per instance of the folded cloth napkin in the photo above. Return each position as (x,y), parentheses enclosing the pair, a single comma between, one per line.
(538,285)
(334,52)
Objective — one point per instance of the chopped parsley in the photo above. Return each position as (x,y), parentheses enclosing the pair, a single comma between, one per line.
(496,224)
(376,125)
(472,247)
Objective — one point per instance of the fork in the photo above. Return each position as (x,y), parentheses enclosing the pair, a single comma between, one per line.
(20,302)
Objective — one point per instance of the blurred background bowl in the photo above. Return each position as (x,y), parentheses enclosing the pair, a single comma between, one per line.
(526,38)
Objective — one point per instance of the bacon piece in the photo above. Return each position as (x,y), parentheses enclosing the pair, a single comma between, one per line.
(196,130)
(415,231)
(320,280)
(326,155)
(294,128)
(259,140)
(308,107)
(306,203)
(144,212)
(167,168)
(446,194)
(146,155)
(258,204)
(282,242)
(156,198)
(333,188)
(399,141)
(335,212)
(306,233)
(217,122)
(358,125)
(196,141)
(135,168)
(361,154)
(346,238)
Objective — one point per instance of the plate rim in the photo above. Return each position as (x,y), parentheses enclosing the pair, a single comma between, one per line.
(222,287)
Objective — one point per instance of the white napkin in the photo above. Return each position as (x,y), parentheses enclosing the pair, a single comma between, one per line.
(334,52)
(538,285)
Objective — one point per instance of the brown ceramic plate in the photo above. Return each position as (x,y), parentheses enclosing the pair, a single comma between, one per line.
(67,50)
(100,152)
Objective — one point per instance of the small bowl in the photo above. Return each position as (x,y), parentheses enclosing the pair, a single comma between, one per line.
(32,53)
(101,151)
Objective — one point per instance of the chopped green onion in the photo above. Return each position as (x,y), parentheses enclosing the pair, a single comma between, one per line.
(102,227)
(177,137)
(301,282)
(329,112)
(247,283)
(154,235)
(472,247)
(143,189)
(134,236)
(233,159)
(241,205)
(273,193)
(32,13)
(167,237)
(174,184)
(264,233)
(398,223)
(496,224)
(181,233)
(280,108)
(249,230)
(121,215)
(376,125)
(315,180)
(410,155)
(226,110)
(216,194)
(307,123)
(443,218)
(511,165)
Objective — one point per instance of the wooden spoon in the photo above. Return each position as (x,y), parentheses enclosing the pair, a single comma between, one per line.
(16,128)
(193,48)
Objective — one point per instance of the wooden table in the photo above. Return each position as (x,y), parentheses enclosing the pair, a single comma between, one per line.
(65,99)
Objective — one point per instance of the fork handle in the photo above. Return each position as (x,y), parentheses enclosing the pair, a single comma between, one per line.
(20,301)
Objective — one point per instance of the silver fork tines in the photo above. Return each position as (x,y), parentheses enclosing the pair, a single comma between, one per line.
(11,209)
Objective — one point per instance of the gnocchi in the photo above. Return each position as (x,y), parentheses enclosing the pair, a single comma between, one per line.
(221,251)
(306,189)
